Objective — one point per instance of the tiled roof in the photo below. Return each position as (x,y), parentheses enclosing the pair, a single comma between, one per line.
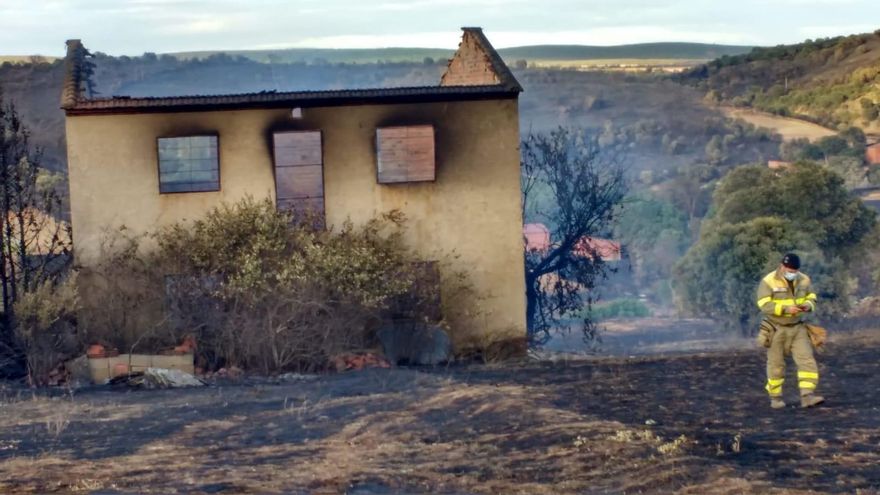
(272,99)
(74,104)
(537,238)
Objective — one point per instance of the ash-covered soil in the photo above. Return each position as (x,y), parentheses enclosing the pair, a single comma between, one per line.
(697,423)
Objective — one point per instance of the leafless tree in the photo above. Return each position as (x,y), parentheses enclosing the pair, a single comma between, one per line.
(34,242)
(574,188)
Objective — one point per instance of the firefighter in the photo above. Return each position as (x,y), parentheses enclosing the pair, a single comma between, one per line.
(785,296)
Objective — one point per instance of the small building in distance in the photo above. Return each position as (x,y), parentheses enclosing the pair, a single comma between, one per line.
(537,239)
(778,164)
(536,236)
(606,249)
(872,153)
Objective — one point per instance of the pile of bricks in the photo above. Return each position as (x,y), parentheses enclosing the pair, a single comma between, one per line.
(357,361)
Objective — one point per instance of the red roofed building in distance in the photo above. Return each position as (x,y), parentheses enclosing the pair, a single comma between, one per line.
(778,164)
(537,239)
(606,249)
(872,154)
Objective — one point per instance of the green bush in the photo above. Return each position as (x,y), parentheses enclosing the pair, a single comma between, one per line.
(45,326)
(757,216)
(255,289)
(874,175)
(621,308)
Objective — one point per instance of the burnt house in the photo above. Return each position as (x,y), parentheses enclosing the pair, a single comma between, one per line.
(447,156)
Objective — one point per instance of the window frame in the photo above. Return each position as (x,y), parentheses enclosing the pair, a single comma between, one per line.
(294,205)
(181,136)
(378,153)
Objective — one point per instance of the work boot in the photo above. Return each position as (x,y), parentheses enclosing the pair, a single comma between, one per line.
(811,400)
(777,402)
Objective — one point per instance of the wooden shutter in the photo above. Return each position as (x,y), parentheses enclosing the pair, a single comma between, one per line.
(299,172)
(405,154)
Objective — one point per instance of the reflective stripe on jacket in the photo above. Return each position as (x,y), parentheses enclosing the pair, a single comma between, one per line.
(775,294)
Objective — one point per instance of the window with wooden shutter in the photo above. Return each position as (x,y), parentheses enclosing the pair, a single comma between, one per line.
(405,154)
(299,172)
(188,164)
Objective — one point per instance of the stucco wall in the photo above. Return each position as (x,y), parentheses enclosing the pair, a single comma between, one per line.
(472,209)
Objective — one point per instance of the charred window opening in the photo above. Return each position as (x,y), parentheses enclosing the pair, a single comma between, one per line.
(405,154)
(188,164)
(299,174)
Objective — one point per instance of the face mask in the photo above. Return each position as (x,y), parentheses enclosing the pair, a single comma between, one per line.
(790,276)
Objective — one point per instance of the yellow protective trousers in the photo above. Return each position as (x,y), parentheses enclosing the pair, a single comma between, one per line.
(793,340)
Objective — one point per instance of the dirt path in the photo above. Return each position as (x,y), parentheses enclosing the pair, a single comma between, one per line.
(788,128)
(695,424)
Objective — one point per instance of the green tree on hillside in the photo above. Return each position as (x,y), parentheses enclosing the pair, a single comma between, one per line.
(718,275)
(655,233)
(758,215)
(870,110)
(816,79)
(809,195)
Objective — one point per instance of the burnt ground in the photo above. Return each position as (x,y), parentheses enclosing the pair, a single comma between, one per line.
(697,423)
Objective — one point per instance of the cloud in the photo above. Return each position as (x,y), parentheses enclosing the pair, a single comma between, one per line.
(826,31)
(198,26)
(502,39)
(135,26)
(441,39)
(444,4)
(615,36)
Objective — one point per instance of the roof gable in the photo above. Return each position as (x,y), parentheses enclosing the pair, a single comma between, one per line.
(476,62)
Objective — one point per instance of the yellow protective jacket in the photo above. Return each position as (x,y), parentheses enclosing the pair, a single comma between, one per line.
(775,294)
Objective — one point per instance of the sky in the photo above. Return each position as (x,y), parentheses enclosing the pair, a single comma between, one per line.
(132,27)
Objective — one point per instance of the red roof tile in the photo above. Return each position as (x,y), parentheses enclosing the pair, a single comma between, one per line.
(537,237)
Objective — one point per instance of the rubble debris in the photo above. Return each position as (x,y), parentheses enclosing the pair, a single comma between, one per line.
(296,377)
(156,378)
(187,346)
(97,351)
(353,361)
(103,369)
(415,343)
(59,375)
(79,373)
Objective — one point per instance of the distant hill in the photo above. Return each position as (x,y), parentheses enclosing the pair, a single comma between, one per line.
(831,81)
(25,59)
(688,51)
(318,56)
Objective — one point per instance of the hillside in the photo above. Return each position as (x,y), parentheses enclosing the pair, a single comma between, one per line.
(688,51)
(832,81)
(663,51)
(25,59)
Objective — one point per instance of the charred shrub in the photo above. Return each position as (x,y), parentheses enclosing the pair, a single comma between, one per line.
(45,326)
(257,288)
